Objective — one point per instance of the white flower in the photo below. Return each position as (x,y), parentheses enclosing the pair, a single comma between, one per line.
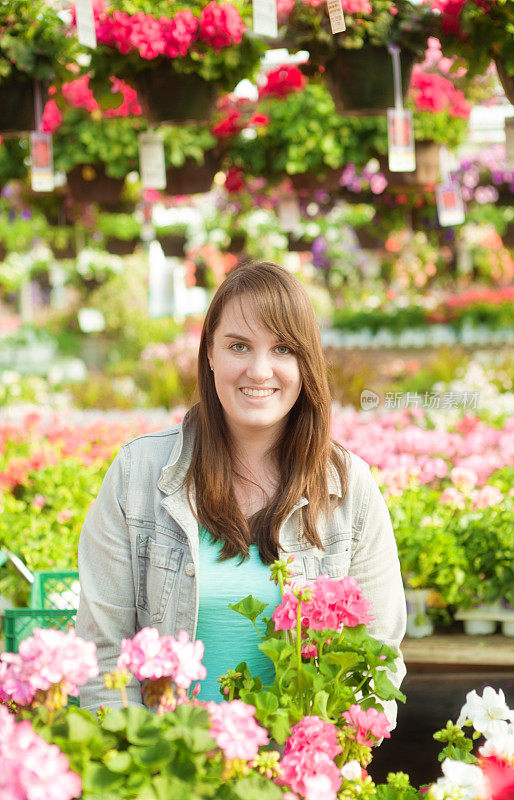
(488,714)
(501,746)
(351,771)
(460,782)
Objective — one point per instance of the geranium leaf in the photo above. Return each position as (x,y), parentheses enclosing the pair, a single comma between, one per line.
(249,607)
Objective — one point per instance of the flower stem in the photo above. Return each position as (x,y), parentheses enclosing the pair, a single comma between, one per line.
(124,698)
(299,650)
(257,629)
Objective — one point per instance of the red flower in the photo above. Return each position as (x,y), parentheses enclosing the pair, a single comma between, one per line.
(500,777)
(129,106)
(52,117)
(229,125)
(432,92)
(221,25)
(179,33)
(78,94)
(258,120)
(234,180)
(282,81)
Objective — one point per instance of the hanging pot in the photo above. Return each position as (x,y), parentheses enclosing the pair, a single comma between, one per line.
(508,236)
(88,183)
(193,178)
(309,182)
(361,81)
(168,96)
(17,117)
(506,80)
(427,167)
(368,240)
(299,244)
(173,245)
(120,247)
(68,251)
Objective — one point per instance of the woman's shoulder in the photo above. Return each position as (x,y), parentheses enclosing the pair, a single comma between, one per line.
(358,471)
(158,447)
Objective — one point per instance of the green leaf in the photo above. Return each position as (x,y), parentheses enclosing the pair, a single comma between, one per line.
(276,649)
(319,707)
(250,607)
(280,726)
(81,729)
(154,756)
(342,660)
(97,779)
(117,762)
(384,689)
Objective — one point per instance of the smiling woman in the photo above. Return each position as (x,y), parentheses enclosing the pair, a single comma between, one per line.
(188,519)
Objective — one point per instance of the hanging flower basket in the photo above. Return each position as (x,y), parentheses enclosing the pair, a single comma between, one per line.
(17,104)
(121,247)
(193,178)
(88,183)
(361,80)
(299,244)
(173,245)
(427,167)
(506,80)
(166,96)
(61,253)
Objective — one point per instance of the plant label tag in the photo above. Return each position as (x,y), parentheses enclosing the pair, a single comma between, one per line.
(400,140)
(335,12)
(86,32)
(265,20)
(42,166)
(288,210)
(509,143)
(450,208)
(151,161)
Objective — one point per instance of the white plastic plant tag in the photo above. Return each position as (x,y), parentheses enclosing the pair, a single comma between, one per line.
(86,32)
(400,140)
(42,166)
(265,20)
(509,143)
(335,12)
(450,208)
(288,210)
(91,320)
(151,161)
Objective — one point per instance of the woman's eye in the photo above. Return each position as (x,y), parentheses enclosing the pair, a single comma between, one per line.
(282,350)
(238,347)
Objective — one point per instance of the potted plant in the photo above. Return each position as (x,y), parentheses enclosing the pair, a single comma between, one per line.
(192,158)
(34,47)
(480,33)
(356,64)
(122,232)
(173,239)
(177,60)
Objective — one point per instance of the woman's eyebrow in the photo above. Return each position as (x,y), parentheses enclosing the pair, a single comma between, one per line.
(237,336)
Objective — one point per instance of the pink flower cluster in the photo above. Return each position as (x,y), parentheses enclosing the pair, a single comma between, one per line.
(78,94)
(285,7)
(333,604)
(235,730)
(49,657)
(150,656)
(219,25)
(432,92)
(307,765)
(368,726)
(32,769)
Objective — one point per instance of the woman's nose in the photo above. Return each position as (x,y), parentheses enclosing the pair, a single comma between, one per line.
(259,368)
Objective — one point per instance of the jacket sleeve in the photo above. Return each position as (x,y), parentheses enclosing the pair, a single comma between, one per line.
(375,566)
(107,612)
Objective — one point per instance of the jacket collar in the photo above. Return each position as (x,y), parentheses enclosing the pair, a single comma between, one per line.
(174,472)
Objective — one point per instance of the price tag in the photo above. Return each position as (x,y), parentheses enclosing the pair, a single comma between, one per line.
(509,143)
(265,20)
(335,12)
(86,32)
(450,208)
(400,139)
(42,166)
(288,210)
(151,161)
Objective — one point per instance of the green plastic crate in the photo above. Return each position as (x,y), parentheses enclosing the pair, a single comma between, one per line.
(55,589)
(20,623)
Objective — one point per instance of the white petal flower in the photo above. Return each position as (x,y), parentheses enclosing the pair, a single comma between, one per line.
(351,771)
(467,778)
(488,714)
(501,746)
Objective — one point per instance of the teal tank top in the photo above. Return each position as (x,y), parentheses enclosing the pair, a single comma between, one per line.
(228,637)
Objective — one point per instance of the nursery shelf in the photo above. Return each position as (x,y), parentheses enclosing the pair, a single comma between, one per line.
(456,650)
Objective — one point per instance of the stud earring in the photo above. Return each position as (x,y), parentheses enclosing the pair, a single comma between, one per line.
(212,368)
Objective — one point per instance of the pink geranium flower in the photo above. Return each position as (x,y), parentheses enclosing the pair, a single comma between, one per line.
(52,117)
(452,497)
(32,769)
(369,725)
(236,732)
(335,603)
(189,660)
(310,772)
(286,613)
(314,733)
(221,25)
(149,656)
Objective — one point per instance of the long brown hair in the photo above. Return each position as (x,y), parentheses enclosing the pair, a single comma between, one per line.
(304,452)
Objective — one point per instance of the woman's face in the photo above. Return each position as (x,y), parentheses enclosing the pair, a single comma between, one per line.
(257,377)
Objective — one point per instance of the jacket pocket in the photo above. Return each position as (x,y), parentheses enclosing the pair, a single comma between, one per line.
(335,565)
(158,567)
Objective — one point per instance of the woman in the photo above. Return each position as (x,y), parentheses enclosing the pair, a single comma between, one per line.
(188,518)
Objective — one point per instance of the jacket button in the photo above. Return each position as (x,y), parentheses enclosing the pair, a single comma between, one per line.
(190,569)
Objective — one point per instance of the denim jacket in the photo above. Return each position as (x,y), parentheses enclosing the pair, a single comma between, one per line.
(138,554)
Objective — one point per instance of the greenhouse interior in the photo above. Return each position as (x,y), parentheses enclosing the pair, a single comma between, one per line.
(336,180)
